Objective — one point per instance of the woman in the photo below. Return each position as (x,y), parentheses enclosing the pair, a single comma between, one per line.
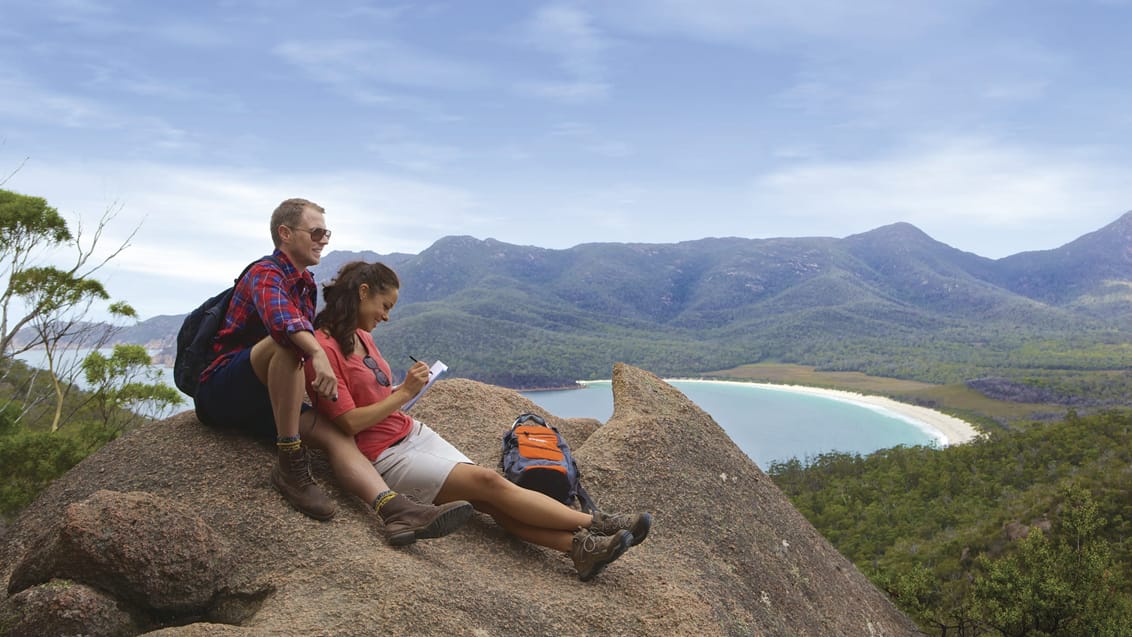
(413,459)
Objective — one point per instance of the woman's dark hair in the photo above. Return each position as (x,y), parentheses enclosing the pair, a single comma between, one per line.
(340,315)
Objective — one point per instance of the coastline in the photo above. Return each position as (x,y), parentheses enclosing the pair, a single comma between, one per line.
(946,429)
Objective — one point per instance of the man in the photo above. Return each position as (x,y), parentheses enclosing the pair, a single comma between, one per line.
(257,384)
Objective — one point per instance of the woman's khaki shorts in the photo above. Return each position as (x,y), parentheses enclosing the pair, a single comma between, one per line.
(419,464)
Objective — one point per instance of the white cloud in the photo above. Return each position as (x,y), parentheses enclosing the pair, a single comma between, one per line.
(187,33)
(568,35)
(759,23)
(91,16)
(198,224)
(417,156)
(955,190)
(352,63)
(43,106)
(569,92)
(928,88)
(590,141)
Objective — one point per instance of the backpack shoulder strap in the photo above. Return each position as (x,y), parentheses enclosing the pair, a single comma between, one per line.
(248,267)
(232,290)
(587,503)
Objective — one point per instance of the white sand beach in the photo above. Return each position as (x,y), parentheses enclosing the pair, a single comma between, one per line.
(947,430)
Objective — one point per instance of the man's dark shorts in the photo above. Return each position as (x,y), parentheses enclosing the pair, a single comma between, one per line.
(233,398)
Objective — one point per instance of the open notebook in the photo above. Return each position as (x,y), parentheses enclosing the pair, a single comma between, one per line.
(434,372)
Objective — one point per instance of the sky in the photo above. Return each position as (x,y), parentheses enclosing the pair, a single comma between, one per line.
(996,127)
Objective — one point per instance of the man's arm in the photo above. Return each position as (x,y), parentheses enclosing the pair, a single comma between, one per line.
(324,381)
(287,318)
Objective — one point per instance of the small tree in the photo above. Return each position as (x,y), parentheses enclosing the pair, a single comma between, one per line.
(51,302)
(1063,583)
(941,606)
(125,387)
(27,225)
(61,299)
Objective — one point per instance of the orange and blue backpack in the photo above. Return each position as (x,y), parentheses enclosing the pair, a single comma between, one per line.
(535,456)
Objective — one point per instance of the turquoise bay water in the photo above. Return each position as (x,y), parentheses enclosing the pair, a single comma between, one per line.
(767,424)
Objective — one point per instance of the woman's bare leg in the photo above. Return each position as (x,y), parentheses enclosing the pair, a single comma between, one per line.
(550,538)
(482,485)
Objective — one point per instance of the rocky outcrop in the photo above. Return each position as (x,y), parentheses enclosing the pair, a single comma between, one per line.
(155,558)
(728,554)
(61,607)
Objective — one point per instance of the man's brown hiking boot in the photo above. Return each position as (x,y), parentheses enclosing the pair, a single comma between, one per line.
(406,521)
(592,552)
(292,478)
(636,523)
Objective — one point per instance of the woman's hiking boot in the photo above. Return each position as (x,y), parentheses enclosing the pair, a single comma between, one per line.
(292,478)
(636,523)
(591,552)
(406,521)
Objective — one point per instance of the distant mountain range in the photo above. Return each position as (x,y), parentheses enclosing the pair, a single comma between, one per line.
(892,297)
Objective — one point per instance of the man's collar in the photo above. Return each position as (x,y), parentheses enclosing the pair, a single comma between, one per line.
(284,261)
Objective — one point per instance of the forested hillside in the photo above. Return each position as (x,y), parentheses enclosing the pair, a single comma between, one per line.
(1022,533)
(890,302)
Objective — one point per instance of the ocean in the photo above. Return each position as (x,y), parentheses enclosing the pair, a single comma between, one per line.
(767,424)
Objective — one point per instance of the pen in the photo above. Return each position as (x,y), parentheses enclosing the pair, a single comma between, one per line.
(413,358)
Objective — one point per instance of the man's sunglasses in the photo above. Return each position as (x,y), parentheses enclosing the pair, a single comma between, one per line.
(317,234)
(379,375)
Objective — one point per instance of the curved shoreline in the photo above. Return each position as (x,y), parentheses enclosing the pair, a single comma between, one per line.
(946,429)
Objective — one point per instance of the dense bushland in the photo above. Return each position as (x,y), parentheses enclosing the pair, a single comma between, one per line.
(121,393)
(1023,532)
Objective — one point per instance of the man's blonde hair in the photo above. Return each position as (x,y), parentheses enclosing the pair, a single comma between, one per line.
(290,213)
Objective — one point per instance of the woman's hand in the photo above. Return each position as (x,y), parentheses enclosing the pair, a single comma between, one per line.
(416,378)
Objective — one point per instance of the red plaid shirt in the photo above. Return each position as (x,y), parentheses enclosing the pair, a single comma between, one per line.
(274,298)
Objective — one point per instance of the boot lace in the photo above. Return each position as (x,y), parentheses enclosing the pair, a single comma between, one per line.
(301,471)
(609,524)
(621,520)
(590,543)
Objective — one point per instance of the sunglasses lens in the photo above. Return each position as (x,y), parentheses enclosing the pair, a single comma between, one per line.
(318,234)
(379,375)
